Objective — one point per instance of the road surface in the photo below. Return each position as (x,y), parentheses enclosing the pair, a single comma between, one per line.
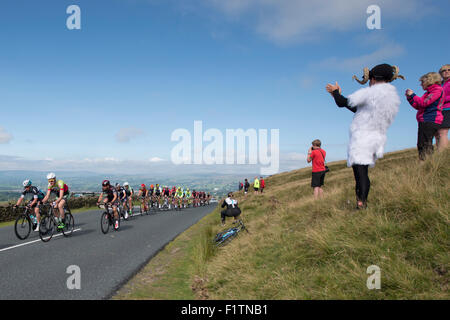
(32,269)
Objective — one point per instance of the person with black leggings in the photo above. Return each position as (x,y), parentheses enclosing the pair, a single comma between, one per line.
(375,108)
(232,208)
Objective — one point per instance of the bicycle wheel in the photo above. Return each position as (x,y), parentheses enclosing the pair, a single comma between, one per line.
(69,224)
(46,228)
(22,227)
(105,222)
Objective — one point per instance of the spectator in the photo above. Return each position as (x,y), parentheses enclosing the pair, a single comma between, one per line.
(442,135)
(317,156)
(246,186)
(232,209)
(375,108)
(256,185)
(262,184)
(429,111)
(241,186)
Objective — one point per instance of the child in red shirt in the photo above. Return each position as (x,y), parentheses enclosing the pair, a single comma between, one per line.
(316,155)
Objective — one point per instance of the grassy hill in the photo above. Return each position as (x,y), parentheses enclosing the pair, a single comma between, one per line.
(299,248)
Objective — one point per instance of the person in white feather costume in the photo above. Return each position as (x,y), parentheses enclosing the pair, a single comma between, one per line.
(375,108)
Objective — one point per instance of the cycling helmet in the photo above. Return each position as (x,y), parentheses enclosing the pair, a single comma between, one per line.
(151,186)
(143,185)
(51,175)
(126,184)
(27,183)
(105,183)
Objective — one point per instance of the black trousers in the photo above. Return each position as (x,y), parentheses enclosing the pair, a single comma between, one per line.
(231,212)
(426,132)
(361,173)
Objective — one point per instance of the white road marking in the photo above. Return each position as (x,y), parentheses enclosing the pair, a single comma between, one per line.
(30,242)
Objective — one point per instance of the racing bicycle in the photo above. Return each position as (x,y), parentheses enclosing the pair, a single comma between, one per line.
(224,237)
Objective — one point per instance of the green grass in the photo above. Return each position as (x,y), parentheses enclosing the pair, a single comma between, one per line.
(299,248)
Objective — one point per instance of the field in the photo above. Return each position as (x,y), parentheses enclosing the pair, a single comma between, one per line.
(299,248)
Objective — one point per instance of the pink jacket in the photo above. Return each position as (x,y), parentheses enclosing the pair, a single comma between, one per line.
(446,87)
(429,106)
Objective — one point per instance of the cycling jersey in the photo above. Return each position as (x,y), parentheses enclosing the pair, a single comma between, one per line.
(110,193)
(35,192)
(144,192)
(59,185)
(179,194)
(128,191)
(122,193)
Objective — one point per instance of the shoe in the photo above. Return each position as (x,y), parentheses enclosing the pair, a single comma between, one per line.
(37,228)
(116,225)
(61,225)
(126,215)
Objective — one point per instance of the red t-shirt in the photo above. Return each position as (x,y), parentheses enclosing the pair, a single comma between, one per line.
(318,160)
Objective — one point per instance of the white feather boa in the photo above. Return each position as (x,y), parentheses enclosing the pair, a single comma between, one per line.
(377,107)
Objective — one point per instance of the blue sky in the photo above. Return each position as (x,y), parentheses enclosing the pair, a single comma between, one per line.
(109,96)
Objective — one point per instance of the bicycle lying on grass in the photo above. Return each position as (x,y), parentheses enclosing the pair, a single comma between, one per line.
(224,237)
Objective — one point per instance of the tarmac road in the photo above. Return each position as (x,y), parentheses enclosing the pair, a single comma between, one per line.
(32,269)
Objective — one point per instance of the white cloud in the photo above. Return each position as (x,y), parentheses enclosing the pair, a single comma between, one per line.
(155,159)
(386,52)
(286,21)
(5,137)
(126,134)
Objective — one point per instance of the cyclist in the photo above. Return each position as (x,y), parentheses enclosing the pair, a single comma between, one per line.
(129,191)
(158,195)
(111,197)
(143,193)
(122,194)
(37,195)
(187,197)
(179,197)
(61,190)
(151,195)
(166,194)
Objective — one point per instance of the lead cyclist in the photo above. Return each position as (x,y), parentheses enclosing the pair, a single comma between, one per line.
(61,190)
